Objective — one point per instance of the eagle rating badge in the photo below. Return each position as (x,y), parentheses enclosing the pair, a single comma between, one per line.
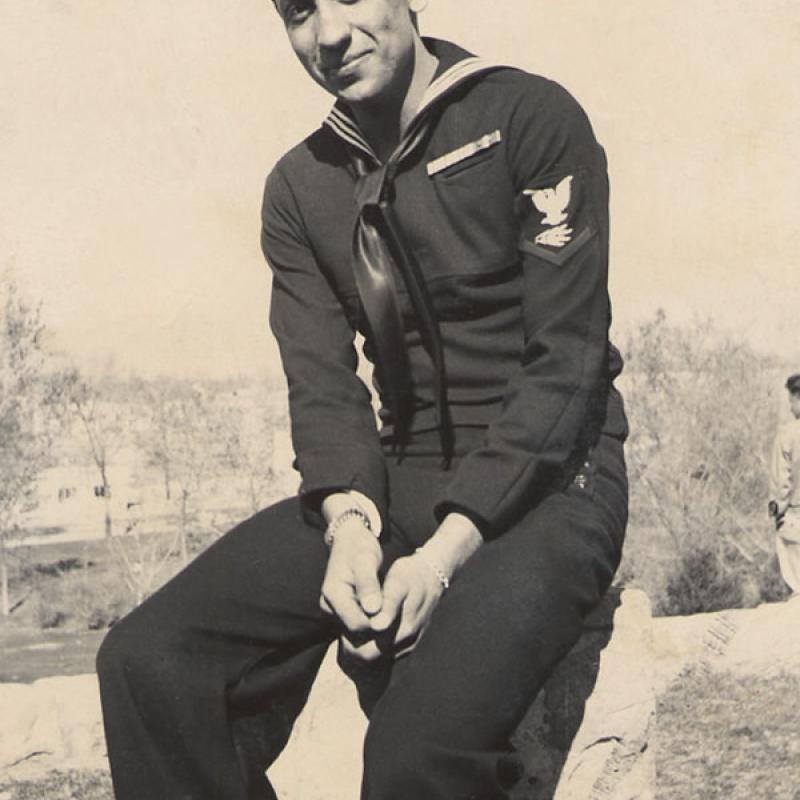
(555,222)
(553,203)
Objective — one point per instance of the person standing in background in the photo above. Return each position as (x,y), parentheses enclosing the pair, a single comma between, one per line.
(784,504)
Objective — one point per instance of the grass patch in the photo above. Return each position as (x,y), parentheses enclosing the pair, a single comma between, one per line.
(723,736)
(82,785)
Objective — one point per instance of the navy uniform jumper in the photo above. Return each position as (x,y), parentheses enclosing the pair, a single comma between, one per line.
(499,191)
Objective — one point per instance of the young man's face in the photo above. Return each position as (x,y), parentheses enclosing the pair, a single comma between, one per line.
(794,404)
(361,51)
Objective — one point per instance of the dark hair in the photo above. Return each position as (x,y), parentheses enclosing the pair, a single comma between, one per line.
(793,384)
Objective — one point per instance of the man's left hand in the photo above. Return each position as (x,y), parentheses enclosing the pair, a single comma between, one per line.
(411,591)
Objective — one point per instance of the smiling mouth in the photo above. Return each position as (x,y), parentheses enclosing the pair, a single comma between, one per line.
(347,67)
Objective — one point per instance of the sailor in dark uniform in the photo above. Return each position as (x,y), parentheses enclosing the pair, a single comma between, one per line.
(455,212)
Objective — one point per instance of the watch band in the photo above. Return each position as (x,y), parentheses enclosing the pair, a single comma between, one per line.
(338,521)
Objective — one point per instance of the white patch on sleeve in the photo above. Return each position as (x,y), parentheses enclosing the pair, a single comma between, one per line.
(552,202)
(555,237)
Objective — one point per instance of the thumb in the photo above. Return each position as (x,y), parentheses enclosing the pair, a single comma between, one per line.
(395,591)
(367,586)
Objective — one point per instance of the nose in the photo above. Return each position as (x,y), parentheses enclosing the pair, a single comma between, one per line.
(333,33)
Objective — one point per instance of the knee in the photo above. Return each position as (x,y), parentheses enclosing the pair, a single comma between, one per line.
(111,655)
(130,651)
(407,766)
(396,767)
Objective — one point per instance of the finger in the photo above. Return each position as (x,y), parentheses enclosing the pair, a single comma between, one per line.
(395,590)
(404,651)
(325,605)
(404,647)
(367,585)
(367,651)
(411,618)
(342,601)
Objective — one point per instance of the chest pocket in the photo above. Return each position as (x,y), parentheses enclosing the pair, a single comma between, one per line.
(466,159)
(470,169)
(456,209)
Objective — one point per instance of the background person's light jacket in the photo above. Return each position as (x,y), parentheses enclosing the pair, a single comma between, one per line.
(785,467)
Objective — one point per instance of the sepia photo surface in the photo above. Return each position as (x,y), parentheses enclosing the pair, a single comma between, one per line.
(135,139)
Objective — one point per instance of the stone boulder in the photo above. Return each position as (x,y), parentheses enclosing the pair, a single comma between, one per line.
(587,736)
(53,723)
(590,732)
(752,641)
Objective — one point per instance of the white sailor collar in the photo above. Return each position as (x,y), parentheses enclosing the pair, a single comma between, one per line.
(455,66)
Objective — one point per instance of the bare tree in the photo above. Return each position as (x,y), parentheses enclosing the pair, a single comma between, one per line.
(178,433)
(101,422)
(246,438)
(154,439)
(142,559)
(24,434)
(182,441)
(195,446)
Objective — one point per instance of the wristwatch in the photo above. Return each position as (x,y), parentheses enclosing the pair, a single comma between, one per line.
(337,522)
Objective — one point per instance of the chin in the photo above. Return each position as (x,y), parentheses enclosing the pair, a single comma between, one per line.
(356,93)
(357,90)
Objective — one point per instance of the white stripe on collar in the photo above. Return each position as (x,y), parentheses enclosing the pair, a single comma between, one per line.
(462,69)
(346,128)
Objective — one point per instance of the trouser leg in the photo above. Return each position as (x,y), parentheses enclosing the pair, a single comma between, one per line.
(201,684)
(441,730)
(789,561)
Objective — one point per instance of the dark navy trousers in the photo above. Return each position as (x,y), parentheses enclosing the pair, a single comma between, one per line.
(201,684)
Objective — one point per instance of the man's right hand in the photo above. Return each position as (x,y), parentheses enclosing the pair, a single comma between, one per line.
(351,589)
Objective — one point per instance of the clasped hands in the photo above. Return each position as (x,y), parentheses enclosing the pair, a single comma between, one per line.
(389,619)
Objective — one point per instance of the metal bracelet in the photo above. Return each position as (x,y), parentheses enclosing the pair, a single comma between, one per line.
(337,522)
(437,571)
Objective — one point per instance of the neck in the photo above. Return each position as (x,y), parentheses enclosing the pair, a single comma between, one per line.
(383,122)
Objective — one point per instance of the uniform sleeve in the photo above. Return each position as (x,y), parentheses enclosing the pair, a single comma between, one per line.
(559,173)
(334,432)
(781,473)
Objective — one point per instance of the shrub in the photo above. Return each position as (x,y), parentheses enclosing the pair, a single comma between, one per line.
(703,411)
(704,581)
(91,598)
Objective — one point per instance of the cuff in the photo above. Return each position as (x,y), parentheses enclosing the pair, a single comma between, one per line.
(492,488)
(343,469)
(445,507)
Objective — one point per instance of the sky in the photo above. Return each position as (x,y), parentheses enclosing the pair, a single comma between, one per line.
(135,138)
